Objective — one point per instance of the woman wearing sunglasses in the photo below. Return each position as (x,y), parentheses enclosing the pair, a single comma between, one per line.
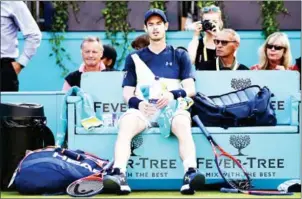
(202,47)
(275,53)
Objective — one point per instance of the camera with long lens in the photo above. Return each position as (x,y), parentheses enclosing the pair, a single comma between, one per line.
(207,25)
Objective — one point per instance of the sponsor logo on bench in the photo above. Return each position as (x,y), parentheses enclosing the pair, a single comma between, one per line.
(240,83)
(144,167)
(108,107)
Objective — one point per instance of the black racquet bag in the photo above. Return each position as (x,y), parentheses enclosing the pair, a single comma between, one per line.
(250,106)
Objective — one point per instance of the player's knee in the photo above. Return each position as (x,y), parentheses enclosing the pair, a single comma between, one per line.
(131,123)
(181,123)
(181,119)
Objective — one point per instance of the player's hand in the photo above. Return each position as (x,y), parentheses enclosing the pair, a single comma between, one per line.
(17,67)
(165,99)
(147,109)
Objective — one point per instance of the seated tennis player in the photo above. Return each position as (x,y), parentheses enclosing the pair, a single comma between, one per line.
(175,70)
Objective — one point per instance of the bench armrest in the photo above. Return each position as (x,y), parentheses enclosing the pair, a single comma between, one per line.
(73,99)
(75,105)
(295,102)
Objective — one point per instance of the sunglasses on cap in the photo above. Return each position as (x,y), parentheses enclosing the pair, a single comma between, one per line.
(270,46)
(223,42)
(210,9)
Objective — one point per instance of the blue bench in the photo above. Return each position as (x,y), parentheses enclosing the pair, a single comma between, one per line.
(270,154)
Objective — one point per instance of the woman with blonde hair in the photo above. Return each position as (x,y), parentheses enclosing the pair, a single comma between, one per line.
(275,53)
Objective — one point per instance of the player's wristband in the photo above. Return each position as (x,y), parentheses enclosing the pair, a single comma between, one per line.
(134,102)
(179,93)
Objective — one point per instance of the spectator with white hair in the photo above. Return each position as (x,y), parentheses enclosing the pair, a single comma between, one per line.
(227,42)
(92,51)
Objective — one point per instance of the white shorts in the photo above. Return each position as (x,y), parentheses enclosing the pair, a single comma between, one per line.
(147,122)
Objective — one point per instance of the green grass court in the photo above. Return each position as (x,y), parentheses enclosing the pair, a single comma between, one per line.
(156,194)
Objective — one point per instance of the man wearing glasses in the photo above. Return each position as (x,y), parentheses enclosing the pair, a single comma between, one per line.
(226,42)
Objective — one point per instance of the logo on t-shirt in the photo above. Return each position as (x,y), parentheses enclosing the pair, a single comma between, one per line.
(168,63)
(125,75)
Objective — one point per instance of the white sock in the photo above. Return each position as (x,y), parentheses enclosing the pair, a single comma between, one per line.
(123,170)
(189,162)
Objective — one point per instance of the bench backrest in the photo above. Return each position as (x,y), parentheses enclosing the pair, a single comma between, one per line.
(285,85)
(106,89)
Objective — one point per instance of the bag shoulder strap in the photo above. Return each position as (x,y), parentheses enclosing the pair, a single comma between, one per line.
(81,155)
(199,52)
(243,89)
(143,72)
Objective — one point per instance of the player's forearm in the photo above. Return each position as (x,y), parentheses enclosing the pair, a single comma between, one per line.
(188,86)
(128,93)
(190,92)
(127,98)
(132,101)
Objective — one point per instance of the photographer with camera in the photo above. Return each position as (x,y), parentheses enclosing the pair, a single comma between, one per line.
(202,47)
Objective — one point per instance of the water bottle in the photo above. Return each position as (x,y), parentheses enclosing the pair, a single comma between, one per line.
(155,92)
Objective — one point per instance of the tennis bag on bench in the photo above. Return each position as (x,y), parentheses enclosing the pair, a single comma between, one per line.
(51,170)
(250,106)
